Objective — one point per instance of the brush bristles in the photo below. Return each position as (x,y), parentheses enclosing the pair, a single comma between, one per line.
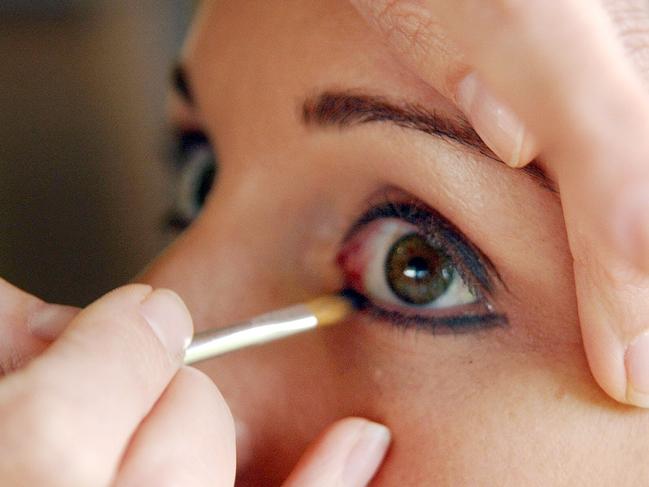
(330,309)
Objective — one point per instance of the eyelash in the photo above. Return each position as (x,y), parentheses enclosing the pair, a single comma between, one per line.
(476,269)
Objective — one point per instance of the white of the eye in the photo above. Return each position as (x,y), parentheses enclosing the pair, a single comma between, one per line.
(375,282)
(457,294)
(200,160)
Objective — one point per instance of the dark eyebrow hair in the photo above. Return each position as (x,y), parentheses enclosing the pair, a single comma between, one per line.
(181,84)
(345,109)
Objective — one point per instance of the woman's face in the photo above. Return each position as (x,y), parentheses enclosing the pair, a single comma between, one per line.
(339,169)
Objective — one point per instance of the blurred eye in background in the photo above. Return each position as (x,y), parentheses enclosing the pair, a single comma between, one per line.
(197,171)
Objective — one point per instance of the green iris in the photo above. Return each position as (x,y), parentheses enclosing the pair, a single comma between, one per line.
(417,272)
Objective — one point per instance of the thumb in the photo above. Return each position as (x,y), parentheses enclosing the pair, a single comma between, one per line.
(346,454)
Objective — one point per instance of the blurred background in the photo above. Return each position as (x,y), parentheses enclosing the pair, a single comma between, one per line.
(85,173)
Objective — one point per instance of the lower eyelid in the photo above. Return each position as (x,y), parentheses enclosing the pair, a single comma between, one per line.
(463,323)
(457,319)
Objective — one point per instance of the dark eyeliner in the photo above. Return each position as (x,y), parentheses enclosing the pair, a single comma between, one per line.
(475,268)
(458,324)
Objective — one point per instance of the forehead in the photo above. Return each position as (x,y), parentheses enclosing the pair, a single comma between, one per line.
(270,54)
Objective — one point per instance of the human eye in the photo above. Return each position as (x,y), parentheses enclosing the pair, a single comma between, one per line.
(410,266)
(197,168)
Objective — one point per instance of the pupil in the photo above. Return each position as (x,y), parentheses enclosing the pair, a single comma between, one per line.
(417,272)
(417,268)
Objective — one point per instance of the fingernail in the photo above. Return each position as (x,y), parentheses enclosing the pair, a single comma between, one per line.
(637,371)
(632,222)
(496,124)
(366,455)
(169,319)
(48,321)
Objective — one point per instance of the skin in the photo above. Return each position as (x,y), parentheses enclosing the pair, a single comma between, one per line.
(120,359)
(509,405)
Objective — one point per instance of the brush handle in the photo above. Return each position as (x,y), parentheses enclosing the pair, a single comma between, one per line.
(262,329)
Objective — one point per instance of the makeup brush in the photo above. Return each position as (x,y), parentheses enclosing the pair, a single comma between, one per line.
(323,311)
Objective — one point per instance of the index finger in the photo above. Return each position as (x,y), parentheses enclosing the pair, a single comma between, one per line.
(559,66)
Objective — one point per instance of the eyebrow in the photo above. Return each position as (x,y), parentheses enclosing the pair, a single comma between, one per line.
(345,109)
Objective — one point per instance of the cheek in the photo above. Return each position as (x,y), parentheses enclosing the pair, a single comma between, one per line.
(465,413)
(465,410)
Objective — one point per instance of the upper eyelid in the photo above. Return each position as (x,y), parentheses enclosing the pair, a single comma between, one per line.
(427,220)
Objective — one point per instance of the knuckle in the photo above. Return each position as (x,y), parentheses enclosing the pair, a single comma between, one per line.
(627,13)
(408,24)
(413,28)
(631,22)
(11,359)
